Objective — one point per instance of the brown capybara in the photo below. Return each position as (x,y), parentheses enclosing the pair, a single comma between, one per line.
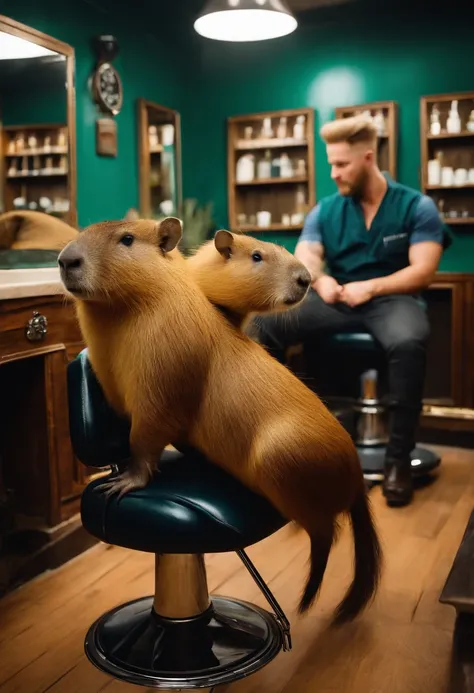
(242,275)
(170,361)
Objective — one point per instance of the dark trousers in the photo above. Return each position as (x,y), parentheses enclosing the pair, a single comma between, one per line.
(400,325)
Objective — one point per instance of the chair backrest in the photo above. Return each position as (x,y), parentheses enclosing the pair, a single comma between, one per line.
(99,437)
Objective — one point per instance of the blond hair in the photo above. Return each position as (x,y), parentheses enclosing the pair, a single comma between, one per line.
(354,130)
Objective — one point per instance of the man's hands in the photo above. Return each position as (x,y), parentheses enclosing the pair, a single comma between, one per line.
(328,288)
(357,293)
(353,294)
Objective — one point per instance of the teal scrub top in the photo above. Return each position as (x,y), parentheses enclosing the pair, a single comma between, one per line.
(354,253)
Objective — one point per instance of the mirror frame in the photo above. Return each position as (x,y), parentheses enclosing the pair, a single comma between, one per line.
(11,26)
(143,156)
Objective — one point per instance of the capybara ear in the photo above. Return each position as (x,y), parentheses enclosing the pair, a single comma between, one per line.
(170,232)
(224,240)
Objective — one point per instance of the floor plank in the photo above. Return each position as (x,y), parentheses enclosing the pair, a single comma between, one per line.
(401,644)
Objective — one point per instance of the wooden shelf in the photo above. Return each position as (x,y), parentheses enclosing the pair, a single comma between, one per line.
(465,186)
(158,181)
(387,154)
(451,135)
(274,181)
(243,145)
(49,176)
(287,199)
(272,227)
(458,221)
(453,150)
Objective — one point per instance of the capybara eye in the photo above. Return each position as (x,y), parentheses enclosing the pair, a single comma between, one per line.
(257,257)
(127,239)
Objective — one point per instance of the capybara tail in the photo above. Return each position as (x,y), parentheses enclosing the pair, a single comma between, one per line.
(321,543)
(368,562)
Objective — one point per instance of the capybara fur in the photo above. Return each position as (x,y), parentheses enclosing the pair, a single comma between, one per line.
(171,362)
(242,275)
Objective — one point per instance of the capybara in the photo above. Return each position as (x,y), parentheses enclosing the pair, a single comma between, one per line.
(170,361)
(242,275)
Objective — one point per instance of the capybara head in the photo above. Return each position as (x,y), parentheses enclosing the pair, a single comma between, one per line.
(246,275)
(119,260)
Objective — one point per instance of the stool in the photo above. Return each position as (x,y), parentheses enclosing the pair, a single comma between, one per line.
(181,637)
(371,430)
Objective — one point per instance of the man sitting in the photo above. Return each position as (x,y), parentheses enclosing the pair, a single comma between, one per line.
(370,248)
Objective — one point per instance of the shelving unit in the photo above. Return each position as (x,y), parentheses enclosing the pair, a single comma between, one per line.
(388,135)
(262,147)
(159,150)
(35,165)
(447,155)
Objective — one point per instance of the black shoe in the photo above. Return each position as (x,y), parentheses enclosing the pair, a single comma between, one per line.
(398,483)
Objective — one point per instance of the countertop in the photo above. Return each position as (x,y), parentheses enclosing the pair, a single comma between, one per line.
(26,283)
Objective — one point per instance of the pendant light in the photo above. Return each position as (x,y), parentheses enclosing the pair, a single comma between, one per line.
(245,20)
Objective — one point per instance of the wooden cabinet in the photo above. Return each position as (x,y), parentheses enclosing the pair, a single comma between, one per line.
(38,337)
(449,384)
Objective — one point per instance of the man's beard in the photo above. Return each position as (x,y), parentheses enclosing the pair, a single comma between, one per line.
(357,188)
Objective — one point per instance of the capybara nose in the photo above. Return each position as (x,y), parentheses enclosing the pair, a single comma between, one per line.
(303,279)
(70,258)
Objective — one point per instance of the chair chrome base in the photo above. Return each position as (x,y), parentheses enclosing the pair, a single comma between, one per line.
(229,641)
(182,639)
(372,458)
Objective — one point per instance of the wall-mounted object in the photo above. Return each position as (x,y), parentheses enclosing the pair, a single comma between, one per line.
(159,158)
(384,115)
(271,171)
(447,155)
(38,134)
(106,137)
(245,20)
(106,84)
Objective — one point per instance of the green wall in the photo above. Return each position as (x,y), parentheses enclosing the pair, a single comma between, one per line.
(150,67)
(338,57)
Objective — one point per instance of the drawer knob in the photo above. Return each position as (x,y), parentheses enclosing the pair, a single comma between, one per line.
(36,328)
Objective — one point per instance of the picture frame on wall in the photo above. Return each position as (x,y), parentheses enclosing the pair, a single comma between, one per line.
(106,137)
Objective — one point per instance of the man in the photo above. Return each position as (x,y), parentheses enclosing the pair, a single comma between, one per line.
(370,248)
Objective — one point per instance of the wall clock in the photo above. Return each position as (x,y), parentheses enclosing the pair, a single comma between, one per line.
(107,86)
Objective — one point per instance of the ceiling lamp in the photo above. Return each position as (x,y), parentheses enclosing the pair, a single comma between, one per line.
(245,20)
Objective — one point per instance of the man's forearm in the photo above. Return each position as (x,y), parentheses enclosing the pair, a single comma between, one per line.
(406,281)
(310,254)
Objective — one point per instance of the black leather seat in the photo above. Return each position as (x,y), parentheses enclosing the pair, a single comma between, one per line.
(370,415)
(191,506)
(180,637)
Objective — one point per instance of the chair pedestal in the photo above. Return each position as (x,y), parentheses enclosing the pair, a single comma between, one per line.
(372,435)
(181,638)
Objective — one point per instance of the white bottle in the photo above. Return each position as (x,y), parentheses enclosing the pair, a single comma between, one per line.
(267,130)
(286,169)
(453,124)
(264,167)
(299,128)
(470,122)
(245,168)
(435,125)
(434,172)
(282,129)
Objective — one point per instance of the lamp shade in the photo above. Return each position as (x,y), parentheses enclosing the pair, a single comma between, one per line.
(245,20)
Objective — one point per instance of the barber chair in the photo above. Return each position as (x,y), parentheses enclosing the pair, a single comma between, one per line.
(370,427)
(181,637)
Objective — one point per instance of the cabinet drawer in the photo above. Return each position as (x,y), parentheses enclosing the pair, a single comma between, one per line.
(18,335)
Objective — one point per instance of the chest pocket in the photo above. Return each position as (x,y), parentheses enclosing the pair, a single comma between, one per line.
(394,246)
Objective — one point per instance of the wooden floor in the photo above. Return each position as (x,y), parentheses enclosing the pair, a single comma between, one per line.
(401,645)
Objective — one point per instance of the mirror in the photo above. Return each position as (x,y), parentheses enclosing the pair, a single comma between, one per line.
(37,140)
(159,138)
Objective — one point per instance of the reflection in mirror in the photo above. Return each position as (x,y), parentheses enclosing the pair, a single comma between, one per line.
(160,160)
(37,162)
